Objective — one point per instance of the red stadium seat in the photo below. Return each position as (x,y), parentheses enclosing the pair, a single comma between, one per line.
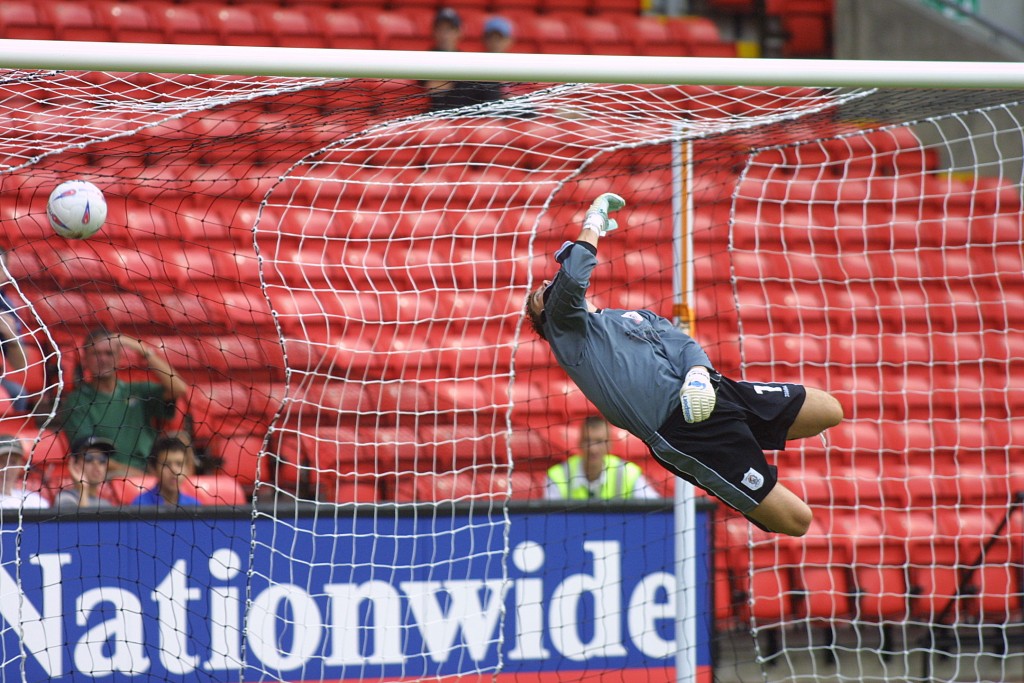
(454,446)
(621,10)
(603,36)
(286,467)
(397,30)
(241,25)
(294,26)
(25,20)
(821,570)
(399,401)
(123,490)
(932,575)
(77,21)
(461,398)
(761,565)
(983,559)
(352,488)
(855,441)
(71,312)
(555,36)
(700,37)
(48,456)
(343,464)
(531,448)
(651,37)
(569,7)
(239,458)
(131,22)
(345,29)
(878,562)
(215,489)
(470,484)
(188,24)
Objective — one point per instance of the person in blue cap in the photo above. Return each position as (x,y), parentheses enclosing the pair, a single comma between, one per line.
(497,34)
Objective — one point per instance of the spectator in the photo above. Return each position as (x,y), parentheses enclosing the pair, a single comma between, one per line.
(447,34)
(447,30)
(127,413)
(594,473)
(87,463)
(13,493)
(194,464)
(497,34)
(10,340)
(169,462)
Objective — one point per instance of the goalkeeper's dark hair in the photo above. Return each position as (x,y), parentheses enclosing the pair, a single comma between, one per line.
(536,320)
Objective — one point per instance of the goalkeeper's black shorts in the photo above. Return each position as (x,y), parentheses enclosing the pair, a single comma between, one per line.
(724,455)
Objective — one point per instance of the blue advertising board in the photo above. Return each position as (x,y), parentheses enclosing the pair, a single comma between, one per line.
(392,594)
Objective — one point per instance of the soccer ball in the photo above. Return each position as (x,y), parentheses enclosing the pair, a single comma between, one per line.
(76,209)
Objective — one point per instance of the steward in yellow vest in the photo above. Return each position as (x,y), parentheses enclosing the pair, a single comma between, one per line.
(617,481)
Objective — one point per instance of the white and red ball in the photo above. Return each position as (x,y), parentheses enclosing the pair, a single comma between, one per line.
(76,209)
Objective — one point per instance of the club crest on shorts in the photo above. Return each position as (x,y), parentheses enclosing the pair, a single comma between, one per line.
(753,479)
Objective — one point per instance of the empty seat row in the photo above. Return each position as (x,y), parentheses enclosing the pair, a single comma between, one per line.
(311,26)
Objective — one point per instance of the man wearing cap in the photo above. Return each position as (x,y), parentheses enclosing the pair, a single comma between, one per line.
(447,30)
(447,34)
(13,493)
(87,464)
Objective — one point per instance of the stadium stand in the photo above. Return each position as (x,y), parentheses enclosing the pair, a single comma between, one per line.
(878,543)
(608,26)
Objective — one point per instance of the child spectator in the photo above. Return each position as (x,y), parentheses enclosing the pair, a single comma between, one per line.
(169,462)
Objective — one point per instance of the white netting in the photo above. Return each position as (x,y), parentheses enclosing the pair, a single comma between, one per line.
(886,268)
(339,279)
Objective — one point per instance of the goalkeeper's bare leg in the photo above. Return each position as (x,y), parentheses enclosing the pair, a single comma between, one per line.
(819,412)
(782,510)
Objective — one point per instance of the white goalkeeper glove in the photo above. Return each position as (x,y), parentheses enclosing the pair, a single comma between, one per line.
(697,395)
(597,215)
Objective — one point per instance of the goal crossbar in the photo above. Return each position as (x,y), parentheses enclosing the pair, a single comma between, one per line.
(297,62)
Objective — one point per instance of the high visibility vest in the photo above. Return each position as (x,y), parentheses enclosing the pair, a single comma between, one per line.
(620,477)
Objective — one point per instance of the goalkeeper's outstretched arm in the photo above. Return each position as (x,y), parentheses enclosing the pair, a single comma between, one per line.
(596,224)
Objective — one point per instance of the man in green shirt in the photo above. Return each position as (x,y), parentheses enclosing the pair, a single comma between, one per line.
(127,413)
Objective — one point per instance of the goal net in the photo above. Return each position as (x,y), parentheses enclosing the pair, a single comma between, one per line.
(338,275)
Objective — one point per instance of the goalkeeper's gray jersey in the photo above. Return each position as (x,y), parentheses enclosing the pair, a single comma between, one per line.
(630,364)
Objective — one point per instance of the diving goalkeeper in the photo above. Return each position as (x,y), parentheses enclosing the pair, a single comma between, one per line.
(648,377)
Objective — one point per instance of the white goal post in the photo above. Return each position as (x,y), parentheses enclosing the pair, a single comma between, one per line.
(347,304)
(306,62)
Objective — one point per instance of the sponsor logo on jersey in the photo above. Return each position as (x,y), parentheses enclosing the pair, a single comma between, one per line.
(634,316)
